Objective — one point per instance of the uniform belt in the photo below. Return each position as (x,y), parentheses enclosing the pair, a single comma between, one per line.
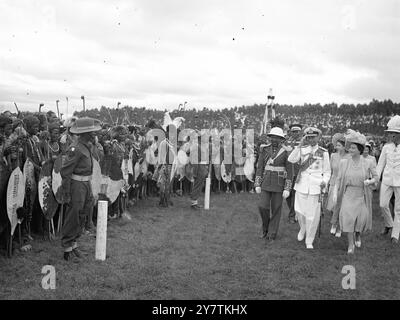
(277,169)
(77,177)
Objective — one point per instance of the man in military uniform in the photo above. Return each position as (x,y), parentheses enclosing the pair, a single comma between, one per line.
(76,173)
(293,141)
(313,177)
(273,181)
(389,168)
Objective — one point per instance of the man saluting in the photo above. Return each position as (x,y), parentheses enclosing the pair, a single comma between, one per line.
(313,176)
(273,181)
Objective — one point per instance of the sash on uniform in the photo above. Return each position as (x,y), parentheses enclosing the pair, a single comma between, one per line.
(305,164)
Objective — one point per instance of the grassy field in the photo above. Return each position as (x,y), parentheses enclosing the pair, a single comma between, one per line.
(177,253)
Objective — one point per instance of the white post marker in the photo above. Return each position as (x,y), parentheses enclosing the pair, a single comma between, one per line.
(101,234)
(207,194)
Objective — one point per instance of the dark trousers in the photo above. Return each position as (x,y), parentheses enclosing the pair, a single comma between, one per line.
(270,207)
(290,204)
(76,213)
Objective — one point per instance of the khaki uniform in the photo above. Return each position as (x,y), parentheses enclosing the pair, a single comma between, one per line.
(76,173)
(274,174)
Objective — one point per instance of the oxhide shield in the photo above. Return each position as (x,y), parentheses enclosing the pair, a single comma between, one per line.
(225,173)
(97,180)
(4,176)
(47,200)
(112,178)
(30,186)
(137,170)
(249,167)
(15,196)
(56,178)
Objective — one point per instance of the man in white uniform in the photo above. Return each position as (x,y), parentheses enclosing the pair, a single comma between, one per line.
(389,165)
(313,177)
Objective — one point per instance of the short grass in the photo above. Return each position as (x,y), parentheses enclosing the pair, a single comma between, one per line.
(177,253)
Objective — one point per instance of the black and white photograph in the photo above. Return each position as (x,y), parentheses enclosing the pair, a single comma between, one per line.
(208,153)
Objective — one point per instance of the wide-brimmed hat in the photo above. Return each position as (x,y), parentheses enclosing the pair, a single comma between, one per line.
(338,137)
(312,132)
(355,137)
(276,131)
(84,125)
(394,124)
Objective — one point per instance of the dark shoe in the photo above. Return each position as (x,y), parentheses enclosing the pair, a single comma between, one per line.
(71,257)
(395,241)
(195,207)
(271,238)
(264,235)
(77,253)
(386,231)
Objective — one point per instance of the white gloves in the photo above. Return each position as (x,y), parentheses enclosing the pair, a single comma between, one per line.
(258,189)
(369,182)
(285,194)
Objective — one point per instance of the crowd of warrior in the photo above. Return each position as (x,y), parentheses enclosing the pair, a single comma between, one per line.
(43,138)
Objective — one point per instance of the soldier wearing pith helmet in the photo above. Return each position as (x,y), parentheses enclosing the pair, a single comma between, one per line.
(273,181)
(76,173)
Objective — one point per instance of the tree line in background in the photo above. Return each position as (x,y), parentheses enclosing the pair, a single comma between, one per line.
(369,118)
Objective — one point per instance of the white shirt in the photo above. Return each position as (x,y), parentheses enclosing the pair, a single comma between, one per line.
(389,164)
(311,178)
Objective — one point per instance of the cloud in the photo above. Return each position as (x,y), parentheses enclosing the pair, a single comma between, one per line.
(210,53)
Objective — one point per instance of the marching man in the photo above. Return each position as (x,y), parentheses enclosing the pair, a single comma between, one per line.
(274,181)
(313,177)
(389,165)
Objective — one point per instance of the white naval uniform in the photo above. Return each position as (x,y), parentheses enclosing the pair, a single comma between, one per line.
(306,204)
(389,165)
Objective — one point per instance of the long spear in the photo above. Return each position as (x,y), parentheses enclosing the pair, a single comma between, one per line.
(83,102)
(118,112)
(58,110)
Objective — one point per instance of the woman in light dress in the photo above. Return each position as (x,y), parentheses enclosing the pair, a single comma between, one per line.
(338,141)
(367,154)
(352,191)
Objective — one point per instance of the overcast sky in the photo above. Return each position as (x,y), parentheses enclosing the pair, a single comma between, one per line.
(209,53)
